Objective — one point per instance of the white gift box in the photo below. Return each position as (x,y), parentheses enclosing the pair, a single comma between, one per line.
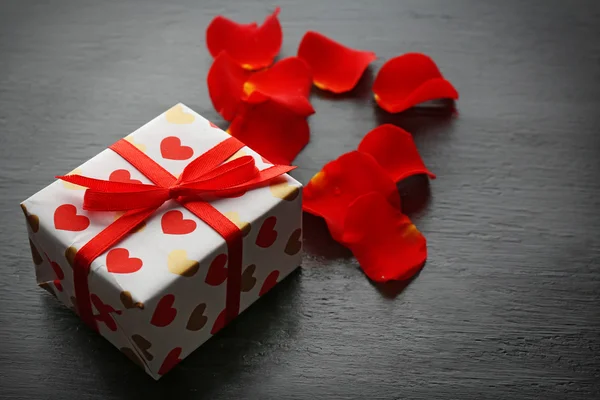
(157,293)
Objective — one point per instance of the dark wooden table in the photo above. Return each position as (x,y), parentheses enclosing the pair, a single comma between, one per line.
(508,305)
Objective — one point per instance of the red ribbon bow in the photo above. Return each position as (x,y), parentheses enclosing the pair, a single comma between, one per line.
(205,177)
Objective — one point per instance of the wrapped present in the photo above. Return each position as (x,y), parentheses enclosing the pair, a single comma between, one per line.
(162,239)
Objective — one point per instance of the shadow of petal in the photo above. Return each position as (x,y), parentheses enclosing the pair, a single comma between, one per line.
(421,119)
(210,369)
(392,289)
(318,241)
(415,192)
(362,91)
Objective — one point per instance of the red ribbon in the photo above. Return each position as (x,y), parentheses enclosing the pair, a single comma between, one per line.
(203,178)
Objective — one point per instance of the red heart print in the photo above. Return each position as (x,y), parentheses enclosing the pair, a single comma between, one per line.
(213,125)
(219,323)
(269,282)
(60,275)
(164,313)
(123,176)
(104,312)
(217,272)
(173,223)
(119,262)
(172,149)
(66,219)
(58,285)
(171,360)
(267,234)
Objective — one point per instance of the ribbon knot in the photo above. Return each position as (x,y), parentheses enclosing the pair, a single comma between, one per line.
(209,175)
(203,178)
(174,192)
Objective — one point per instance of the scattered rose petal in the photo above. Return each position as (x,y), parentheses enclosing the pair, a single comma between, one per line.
(395,150)
(251,46)
(335,67)
(408,80)
(226,85)
(288,83)
(385,242)
(272,130)
(331,191)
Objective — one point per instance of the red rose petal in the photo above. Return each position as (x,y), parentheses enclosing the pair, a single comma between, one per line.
(104,311)
(331,191)
(384,241)
(272,130)
(335,67)
(225,82)
(408,80)
(251,46)
(288,82)
(395,150)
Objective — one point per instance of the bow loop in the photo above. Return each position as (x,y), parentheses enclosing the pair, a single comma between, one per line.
(225,176)
(205,176)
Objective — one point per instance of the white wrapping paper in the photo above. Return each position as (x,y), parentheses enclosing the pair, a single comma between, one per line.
(152,299)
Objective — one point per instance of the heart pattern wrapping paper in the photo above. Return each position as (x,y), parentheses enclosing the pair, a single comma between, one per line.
(160,292)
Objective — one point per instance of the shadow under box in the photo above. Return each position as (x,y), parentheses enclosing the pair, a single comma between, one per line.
(223,356)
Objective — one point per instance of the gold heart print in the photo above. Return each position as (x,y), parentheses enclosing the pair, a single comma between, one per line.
(294,244)
(127,301)
(144,345)
(139,146)
(32,219)
(248,279)
(240,153)
(72,186)
(176,115)
(281,189)
(178,263)
(235,218)
(197,318)
(70,253)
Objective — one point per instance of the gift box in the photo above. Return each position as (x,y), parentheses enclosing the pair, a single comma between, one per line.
(163,238)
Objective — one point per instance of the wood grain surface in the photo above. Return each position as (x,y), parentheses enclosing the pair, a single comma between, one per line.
(508,305)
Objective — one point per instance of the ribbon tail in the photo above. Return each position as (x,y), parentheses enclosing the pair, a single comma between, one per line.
(211,159)
(263,177)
